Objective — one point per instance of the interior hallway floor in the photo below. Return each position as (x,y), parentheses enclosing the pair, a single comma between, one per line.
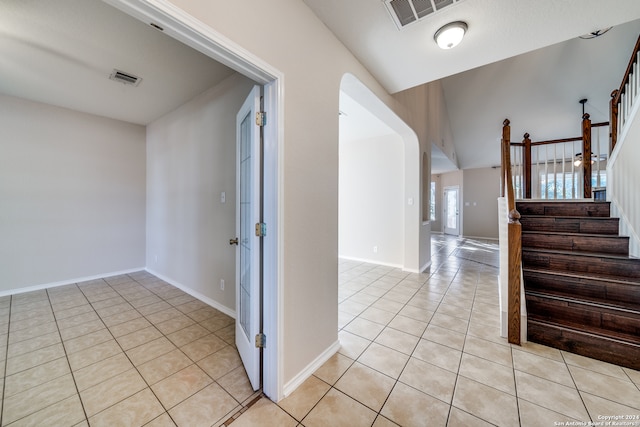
(126,351)
(425,350)
(417,350)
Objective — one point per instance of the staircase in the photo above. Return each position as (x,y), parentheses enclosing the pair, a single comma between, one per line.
(582,289)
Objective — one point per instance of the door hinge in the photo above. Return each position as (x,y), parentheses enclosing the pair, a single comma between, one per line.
(261,340)
(261,118)
(261,229)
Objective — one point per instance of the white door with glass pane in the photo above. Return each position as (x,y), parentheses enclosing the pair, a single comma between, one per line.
(248,249)
(451,211)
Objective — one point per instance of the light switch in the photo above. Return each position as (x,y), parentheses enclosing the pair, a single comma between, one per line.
(223,197)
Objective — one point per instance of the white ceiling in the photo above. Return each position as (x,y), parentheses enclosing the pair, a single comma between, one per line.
(498,29)
(539,92)
(62,53)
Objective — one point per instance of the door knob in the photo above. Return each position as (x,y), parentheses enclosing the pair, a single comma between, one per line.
(233,241)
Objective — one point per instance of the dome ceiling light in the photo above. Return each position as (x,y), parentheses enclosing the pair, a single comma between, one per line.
(450,35)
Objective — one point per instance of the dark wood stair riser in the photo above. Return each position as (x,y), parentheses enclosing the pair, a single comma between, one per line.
(605,321)
(589,288)
(617,245)
(607,265)
(587,209)
(609,350)
(588,225)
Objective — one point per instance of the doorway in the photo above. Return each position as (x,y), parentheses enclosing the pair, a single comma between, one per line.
(451,211)
(179,26)
(405,196)
(248,240)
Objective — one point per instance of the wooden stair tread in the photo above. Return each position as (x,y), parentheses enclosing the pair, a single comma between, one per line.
(579,275)
(598,305)
(560,233)
(580,253)
(576,217)
(606,348)
(596,333)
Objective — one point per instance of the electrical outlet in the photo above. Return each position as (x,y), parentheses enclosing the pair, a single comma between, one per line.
(222,284)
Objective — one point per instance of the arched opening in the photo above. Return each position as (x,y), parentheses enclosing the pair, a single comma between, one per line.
(379,185)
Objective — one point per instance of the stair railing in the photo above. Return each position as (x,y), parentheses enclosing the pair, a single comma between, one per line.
(514,233)
(624,98)
(558,163)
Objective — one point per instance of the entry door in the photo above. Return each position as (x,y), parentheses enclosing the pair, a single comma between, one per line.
(248,250)
(451,217)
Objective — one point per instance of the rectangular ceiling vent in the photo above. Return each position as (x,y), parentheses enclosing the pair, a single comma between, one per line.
(126,78)
(405,12)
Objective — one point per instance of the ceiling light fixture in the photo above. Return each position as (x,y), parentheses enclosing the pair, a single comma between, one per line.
(450,35)
(596,33)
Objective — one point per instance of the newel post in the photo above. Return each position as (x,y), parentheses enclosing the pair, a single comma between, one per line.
(514,235)
(586,155)
(515,268)
(526,161)
(613,121)
(506,155)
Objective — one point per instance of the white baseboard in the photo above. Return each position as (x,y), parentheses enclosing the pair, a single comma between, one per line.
(67,282)
(370,261)
(296,381)
(213,303)
(481,238)
(425,267)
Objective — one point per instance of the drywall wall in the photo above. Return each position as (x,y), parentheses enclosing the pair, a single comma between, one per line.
(72,191)
(287,35)
(479,206)
(371,200)
(623,176)
(191,154)
(436,224)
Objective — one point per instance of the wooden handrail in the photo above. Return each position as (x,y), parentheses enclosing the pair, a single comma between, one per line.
(556,141)
(617,94)
(514,232)
(625,78)
(526,145)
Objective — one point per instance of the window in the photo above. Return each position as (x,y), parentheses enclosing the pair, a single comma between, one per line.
(432,202)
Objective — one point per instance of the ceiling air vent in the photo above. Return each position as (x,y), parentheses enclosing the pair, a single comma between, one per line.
(126,78)
(405,12)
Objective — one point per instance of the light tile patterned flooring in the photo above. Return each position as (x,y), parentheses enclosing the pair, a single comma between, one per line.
(417,350)
(128,350)
(425,350)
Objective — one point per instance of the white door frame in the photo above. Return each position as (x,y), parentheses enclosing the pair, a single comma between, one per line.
(445,207)
(184,28)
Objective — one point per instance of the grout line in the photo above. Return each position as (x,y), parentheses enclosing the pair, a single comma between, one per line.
(6,360)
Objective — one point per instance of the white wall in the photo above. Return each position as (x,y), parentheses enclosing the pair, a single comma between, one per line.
(287,35)
(623,177)
(191,154)
(371,200)
(72,195)
(436,225)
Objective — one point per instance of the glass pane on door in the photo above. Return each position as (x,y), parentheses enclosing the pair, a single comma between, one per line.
(452,209)
(245,224)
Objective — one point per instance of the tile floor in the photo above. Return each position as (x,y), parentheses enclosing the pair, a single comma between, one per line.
(417,350)
(425,350)
(129,350)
